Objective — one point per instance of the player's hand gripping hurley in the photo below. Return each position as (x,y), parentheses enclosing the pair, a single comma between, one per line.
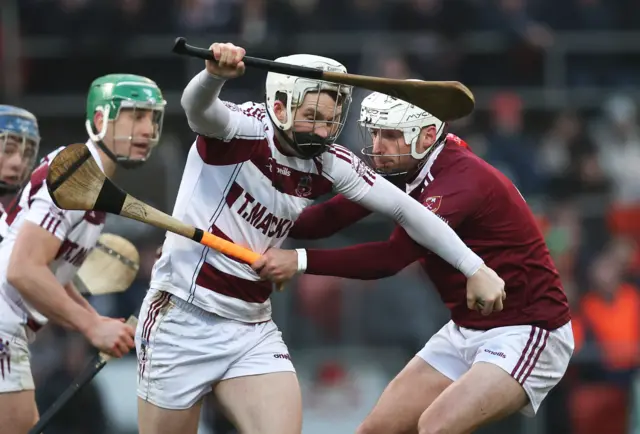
(446,100)
(75,182)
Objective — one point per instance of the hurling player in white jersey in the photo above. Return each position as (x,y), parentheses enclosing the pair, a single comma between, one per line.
(19,141)
(44,246)
(205,324)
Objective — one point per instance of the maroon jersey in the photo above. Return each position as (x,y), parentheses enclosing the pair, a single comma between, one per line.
(488,213)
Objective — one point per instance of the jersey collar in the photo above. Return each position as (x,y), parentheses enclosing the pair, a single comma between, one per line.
(426,169)
(95,153)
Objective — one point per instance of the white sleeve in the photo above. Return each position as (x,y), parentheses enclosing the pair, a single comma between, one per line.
(358,183)
(44,213)
(349,175)
(209,116)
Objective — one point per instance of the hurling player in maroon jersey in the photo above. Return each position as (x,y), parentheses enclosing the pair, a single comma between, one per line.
(477,368)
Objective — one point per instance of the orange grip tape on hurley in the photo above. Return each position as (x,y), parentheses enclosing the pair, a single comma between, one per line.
(228,248)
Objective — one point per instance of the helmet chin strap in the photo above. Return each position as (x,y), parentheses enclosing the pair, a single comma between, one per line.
(6,189)
(410,175)
(310,145)
(297,146)
(400,178)
(122,161)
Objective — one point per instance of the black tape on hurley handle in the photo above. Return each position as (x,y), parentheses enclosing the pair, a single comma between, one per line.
(181,47)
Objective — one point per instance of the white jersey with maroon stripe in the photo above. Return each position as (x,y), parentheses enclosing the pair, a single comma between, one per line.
(78,232)
(241,187)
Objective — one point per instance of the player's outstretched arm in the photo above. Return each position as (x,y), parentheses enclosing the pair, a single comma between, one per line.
(206,113)
(357,182)
(327,218)
(423,226)
(485,289)
(367,261)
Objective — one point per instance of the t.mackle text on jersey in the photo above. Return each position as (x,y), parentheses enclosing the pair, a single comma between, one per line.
(258,216)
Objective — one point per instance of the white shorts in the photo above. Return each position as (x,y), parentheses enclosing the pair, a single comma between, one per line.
(15,365)
(183,351)
(536,358)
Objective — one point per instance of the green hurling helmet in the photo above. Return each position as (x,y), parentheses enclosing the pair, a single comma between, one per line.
(114,94)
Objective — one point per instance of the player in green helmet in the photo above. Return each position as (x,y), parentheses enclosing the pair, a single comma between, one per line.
(44,246)
(133,108)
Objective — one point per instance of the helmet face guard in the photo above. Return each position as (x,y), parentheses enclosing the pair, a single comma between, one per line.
(310,119)
(315,110)
(118,96)
(382,116)
(19,145)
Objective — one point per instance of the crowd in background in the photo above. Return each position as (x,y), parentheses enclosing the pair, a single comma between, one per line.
(579,168)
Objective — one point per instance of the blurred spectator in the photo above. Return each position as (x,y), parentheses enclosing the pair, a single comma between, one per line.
(563,236)
(511,149)
(617,135)
(610,326)
(562,145)
(254,25)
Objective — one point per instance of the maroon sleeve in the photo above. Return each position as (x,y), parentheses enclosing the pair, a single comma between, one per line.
(327,218)
(366,261)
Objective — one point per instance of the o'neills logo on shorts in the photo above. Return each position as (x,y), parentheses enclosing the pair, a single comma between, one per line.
(282,356)
(496,353)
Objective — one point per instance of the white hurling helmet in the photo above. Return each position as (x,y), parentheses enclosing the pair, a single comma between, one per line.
(380,111)
(294,89)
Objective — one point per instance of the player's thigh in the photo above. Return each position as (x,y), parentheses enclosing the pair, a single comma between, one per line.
(153,419)
(485,393)
(260,392)
(514,369)
(405,399)
(18,411)
(262,404)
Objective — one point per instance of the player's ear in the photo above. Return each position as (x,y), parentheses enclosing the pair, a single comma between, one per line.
(280,109)
(427,137)
(98,118)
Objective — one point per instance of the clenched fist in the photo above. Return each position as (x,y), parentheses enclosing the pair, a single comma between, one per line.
(277,265)
(485,291)
(111,336)
(228,63)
